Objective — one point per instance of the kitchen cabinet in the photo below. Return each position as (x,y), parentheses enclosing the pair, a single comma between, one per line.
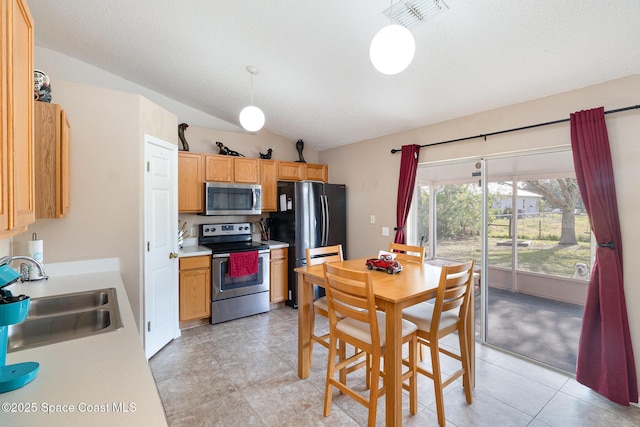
(317,172)
(190,181)
(297,171)
(246,171)
(269,183)
(52,135)
(17,205)
(231,169)
(218,168)
(279,270)
(290,171)
(195,288)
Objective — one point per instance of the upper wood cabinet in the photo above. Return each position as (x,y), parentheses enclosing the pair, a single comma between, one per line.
(291,171)
(246,171)
(196,168)
(317,172)
(269,183)
(190,181)
(220,168)
(17,204)
(298,171)
(52,136)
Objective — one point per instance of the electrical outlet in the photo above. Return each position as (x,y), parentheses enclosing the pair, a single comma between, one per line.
(385,231)
(373,219)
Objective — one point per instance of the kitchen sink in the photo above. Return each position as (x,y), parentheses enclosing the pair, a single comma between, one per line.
(65,317)
(69,302)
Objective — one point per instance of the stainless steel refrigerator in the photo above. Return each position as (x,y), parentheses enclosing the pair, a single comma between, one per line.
(310,214)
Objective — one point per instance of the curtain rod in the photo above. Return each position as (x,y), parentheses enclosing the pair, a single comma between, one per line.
(485,135)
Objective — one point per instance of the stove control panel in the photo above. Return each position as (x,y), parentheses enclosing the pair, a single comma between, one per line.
(233,229)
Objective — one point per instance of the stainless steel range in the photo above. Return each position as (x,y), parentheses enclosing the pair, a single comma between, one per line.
(232,295)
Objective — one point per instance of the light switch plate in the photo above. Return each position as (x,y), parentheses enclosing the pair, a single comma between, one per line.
(385,231)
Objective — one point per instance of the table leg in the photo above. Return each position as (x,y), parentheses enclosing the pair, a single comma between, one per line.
(471,338)
(304,326)
(393,365)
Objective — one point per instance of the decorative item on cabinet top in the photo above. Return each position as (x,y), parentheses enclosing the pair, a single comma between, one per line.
(41,86)
(181,128)
(226,151)
(300,147)
(266,156)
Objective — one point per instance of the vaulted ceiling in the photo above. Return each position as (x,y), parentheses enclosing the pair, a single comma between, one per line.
(316,81)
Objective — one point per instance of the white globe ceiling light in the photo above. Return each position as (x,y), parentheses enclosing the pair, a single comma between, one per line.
(392,49)
(252,117)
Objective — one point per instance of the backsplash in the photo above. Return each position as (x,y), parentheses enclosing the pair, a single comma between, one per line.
(5,247)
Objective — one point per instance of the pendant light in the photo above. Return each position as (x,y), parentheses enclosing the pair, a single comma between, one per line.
(252,117)
(392,48)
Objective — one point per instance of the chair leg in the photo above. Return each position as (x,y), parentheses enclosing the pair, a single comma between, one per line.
(331,360)
(342,355)
(413,380)
(374,390)
(437,380)
(368,371)
(464,355)
(313,332)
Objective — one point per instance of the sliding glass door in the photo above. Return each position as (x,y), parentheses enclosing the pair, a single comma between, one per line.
(521,218)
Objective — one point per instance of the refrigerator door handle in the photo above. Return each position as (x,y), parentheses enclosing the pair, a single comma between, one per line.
(325,221)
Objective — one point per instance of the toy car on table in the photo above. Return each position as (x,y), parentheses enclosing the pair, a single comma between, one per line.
(385,262)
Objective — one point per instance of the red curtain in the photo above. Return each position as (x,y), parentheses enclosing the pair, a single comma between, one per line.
(605,355)
(406,183)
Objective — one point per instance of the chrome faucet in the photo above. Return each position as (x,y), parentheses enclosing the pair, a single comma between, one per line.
(24,272)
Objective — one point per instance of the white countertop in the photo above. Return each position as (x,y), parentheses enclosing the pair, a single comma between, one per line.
(191,247)
(194,250)
(107,373)
(274,244)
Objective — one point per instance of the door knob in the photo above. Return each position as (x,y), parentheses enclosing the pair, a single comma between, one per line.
(173,255)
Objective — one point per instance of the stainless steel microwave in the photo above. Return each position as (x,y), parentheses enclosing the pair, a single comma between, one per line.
(232,199)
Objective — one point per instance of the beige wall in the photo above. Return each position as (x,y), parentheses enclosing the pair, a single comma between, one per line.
(371,172)
(105,217)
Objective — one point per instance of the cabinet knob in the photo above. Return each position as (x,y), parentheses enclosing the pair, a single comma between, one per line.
(173,255)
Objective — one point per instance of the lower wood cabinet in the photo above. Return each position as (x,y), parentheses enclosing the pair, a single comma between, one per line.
(195,288)
(279,273)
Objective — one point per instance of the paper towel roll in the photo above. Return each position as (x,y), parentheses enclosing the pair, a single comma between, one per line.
(36,250)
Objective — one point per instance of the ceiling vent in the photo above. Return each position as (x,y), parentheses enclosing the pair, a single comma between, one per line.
(411,13)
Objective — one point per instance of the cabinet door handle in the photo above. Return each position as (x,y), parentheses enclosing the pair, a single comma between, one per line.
(173,255)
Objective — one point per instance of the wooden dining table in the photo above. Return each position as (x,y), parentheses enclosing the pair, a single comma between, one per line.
(393,292)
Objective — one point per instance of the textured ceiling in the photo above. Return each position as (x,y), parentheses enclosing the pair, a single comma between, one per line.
(316,81)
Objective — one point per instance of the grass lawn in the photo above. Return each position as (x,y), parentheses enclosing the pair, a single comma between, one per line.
(542,256)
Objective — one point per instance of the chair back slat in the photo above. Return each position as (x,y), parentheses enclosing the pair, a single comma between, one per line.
(407,252)
(453,292)
(324,254)
(350,293)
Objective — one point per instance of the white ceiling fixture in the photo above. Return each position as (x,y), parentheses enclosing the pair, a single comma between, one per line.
(252,117)
(392,48)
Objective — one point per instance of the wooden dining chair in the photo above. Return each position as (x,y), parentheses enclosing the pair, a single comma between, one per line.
(317,256)
(353,319)
(407,252)
(436,320)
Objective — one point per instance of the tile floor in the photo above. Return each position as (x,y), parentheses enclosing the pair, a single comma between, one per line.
(244,373)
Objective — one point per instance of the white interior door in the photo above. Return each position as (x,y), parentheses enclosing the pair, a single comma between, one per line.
(160,245)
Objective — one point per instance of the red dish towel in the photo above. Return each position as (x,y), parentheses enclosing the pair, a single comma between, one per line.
(243,263)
